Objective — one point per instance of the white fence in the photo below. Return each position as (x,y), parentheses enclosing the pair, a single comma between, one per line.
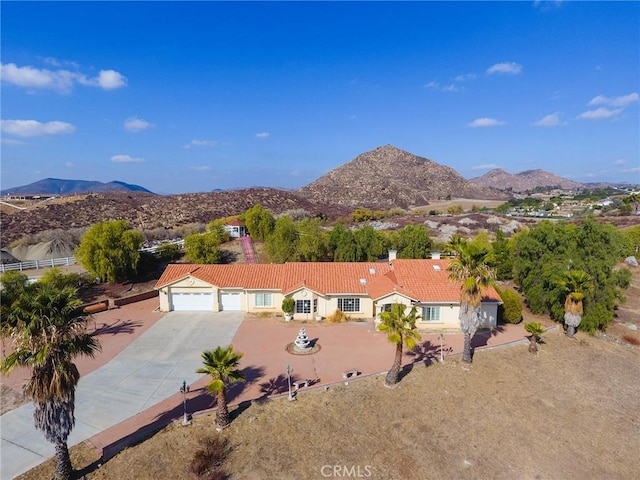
(154,248)
(60,262)
(37,264)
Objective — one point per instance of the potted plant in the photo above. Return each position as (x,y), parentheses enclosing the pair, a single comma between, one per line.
(288,304)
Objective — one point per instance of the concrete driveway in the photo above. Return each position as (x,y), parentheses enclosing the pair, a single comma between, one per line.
(149,370)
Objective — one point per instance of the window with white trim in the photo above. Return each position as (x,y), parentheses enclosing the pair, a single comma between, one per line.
(349,304)
(430,314)
(264,299)
(303,306)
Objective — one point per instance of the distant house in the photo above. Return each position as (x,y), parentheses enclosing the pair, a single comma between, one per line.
(361,290)
(236,229)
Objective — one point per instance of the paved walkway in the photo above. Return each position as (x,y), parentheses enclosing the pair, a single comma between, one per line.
(151,369)
(136,392)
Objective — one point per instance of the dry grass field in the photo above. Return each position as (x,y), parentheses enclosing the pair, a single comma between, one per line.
(465,203)
(568,412)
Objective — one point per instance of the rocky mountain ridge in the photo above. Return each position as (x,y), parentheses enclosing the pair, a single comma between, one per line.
(389,177)
(146,211)
(524,181)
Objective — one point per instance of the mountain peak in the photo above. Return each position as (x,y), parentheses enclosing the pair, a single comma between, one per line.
(387,177)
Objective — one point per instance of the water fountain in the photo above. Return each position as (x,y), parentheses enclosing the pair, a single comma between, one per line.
(302,342)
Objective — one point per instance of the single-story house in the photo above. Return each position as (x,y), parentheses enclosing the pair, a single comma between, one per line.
(361,290)
(235,228)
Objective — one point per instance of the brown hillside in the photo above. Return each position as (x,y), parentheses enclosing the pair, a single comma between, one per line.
(523,181)
(389,177)
(147,211)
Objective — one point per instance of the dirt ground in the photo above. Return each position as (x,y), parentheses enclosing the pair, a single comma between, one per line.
(560,414)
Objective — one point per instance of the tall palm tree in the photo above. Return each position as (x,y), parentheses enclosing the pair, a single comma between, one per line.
(401,330)
(48,331)
(470,268)
(576,284)
(222,365)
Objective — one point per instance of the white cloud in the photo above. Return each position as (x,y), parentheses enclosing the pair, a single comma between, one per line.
(69,164)
(619,102)
(551,120)
(33,128)
(632,170)
(485,122)
(110,79)
(11,141)
(263,135)
(509,68)
(547,5)
(134,124)
(601,113)
(35,78)
(201,168)
(485,166)
(201,143)
(620,161)
(126,159)
(451,88)
(464,77)
(61,81)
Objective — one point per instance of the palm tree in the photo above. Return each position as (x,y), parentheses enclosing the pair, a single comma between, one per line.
(454,244)
(222,365)
(535,329)
(401,330)
(576,283)
(470,268)
(48,331)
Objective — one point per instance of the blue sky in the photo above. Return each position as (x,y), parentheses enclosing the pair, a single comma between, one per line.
(195,96)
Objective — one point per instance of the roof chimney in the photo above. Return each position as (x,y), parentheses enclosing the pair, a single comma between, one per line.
(392,255)
(435,255)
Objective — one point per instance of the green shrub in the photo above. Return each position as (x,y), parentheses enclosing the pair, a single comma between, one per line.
(511,309)
(288,304)
(169,251)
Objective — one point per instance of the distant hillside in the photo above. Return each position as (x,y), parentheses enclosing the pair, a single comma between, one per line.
(389,177)
(148,211)
(524,181)
(57,186)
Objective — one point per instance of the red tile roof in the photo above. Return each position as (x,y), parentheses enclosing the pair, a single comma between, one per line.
(420,280)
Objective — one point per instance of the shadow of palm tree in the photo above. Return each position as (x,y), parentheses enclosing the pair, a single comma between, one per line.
(481,338)
(251,374)
(274,385)
(424,352)
(120,326)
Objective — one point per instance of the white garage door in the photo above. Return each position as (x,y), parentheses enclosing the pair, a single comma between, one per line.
(230,301)
(192,301)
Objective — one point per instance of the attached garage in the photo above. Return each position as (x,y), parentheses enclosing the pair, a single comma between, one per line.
(230,301)
(188,301)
